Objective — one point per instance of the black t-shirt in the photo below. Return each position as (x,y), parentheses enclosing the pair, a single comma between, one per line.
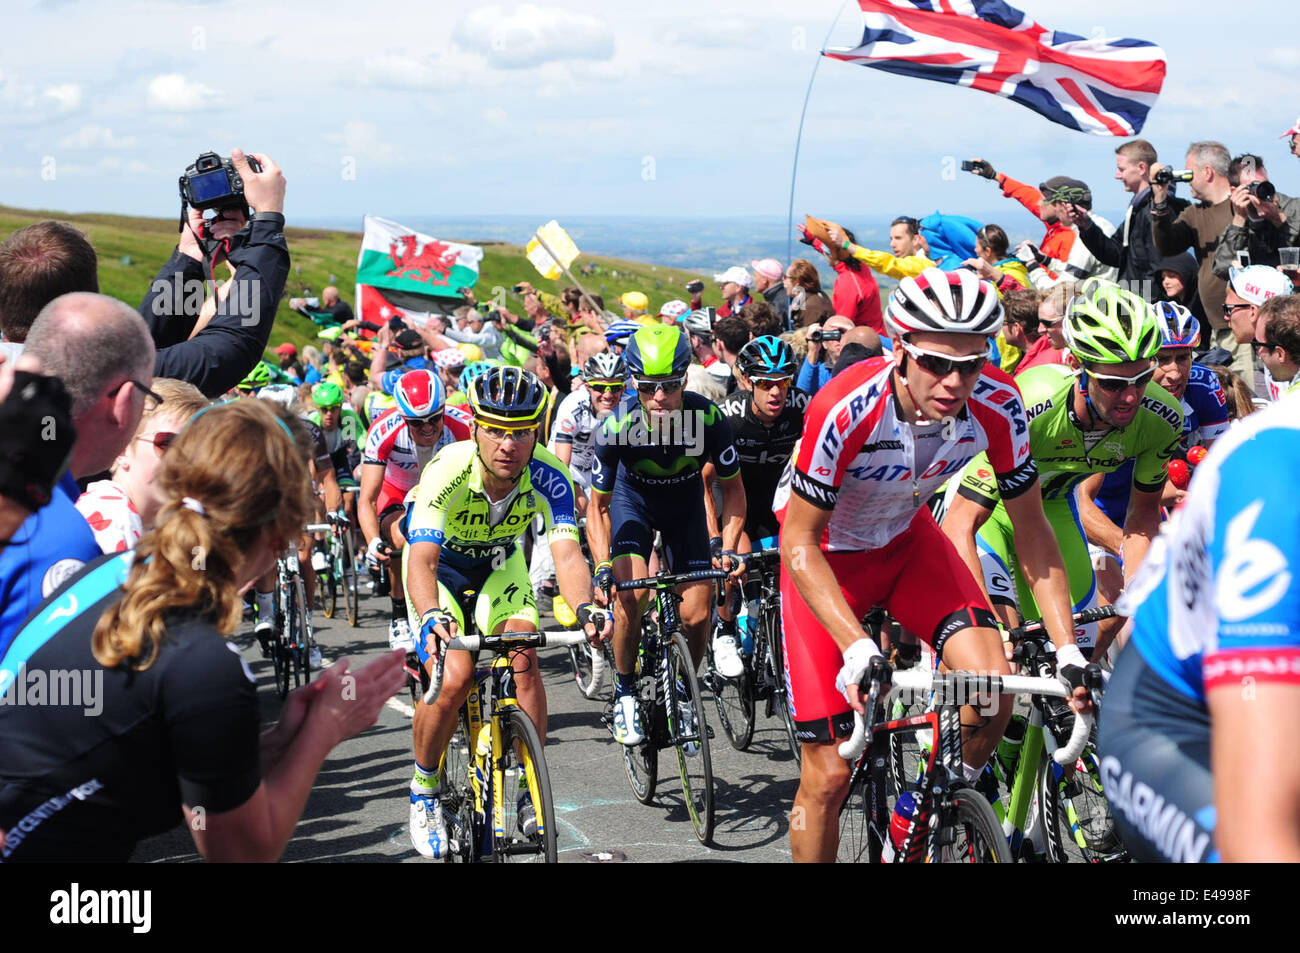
(92,760)
(763,452)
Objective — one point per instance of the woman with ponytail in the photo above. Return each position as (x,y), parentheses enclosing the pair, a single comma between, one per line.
(124,709)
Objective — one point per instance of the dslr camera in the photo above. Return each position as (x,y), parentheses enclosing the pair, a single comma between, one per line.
(1169,176)
(1265,191)
(212,183)
(821,335)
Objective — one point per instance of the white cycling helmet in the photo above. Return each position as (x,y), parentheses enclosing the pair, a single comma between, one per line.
(286,395)
(953,302)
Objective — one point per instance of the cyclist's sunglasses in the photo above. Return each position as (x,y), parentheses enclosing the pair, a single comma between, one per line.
(941,365)
(671,386)
(607,387)
(161,440)
(768,383)
(431,421)
(1114,384)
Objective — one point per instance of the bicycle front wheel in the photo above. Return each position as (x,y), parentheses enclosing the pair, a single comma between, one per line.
(327,583)
(281,656)
(858,841)
(690,735)
(735,700)
(526,790)
(776,672)
(300,631)
(351,587)
(458,796)
(1074,812)
(977,837)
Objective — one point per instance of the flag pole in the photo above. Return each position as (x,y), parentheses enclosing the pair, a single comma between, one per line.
(794,172)
(565,268)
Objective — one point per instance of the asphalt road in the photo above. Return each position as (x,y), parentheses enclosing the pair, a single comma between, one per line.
(358,808)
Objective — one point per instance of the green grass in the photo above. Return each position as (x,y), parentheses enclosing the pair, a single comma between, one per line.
(132,249)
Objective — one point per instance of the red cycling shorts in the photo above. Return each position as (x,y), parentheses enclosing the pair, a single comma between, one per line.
(918,577)
(389,496)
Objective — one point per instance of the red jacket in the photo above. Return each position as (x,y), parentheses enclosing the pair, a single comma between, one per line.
(857,296)
(1059,239)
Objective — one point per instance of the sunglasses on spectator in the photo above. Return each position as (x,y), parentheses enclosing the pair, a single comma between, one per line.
(430,421)
(607,387)
(1114,384)
(1229,309)
(671,386)
(161,441)
(1265,344)
(941,365)
(157,401)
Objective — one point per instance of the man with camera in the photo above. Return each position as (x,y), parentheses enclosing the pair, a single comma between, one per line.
(1199,227)
(824,344)
(1130,248)
(1263,219)
(482,329)
(232,342)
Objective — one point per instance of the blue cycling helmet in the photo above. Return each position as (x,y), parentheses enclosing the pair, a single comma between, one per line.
(619,331)
(766,356)
(388,383)
(1178,326)
(471,371)
(419,395)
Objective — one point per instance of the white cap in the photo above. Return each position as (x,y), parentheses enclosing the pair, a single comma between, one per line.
(735,273)
(1258,283)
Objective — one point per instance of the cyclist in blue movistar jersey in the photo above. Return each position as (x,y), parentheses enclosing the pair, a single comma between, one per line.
(646,477)
(1198,732)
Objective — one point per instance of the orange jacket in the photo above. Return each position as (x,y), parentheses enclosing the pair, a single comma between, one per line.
(1059,240)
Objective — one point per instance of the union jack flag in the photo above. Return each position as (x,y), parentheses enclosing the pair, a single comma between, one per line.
(1097,85)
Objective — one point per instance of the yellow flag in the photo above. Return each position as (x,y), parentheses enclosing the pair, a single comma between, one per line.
(559,242)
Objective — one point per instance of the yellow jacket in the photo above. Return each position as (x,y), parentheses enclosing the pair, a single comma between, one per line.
(909,266)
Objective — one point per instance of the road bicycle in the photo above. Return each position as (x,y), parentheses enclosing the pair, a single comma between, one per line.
(672,711)
(494,769)
(341,573)
(291,650)
(764,676)
(952,821)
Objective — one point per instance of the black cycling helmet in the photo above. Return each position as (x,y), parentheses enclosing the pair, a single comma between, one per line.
(508,397)
(766,356)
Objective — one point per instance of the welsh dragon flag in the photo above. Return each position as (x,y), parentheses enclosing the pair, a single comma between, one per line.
(395,258)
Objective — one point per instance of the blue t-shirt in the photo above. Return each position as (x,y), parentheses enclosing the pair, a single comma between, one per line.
(1205,417)
(1217,599)
(50,546)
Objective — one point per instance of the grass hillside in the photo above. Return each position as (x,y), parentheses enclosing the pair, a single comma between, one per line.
(132,249)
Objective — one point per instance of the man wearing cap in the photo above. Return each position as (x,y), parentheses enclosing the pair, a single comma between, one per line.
(673,311)
(735,290)
(288,358)
(1199,228)
(1248,288)
(635,304)
(482,330)
(767,282)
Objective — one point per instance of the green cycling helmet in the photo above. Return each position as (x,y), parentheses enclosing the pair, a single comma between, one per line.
(327,394)
(257,378)
(658,350)
(1105,324)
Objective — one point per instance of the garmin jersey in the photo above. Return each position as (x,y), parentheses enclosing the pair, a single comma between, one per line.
(1217,600)
(763,451)
(859,457)
(1066,455)
(575,424)
(1205,417)
(389,444)
(452,510)
(663,457)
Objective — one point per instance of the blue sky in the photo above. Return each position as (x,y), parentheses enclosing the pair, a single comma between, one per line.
(683,109)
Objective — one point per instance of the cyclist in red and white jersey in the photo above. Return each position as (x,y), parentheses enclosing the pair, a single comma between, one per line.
(399,444)
(878,440)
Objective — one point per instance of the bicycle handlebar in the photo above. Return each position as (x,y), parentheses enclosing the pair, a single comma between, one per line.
(1095,614)
(667,581)
(505,642)
(318,528)
(915,680)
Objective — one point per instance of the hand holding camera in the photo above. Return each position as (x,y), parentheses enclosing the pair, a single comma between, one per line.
(979,167)
(1167,176)
(1028,253)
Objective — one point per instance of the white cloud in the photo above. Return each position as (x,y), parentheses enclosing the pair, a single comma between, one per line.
(1285,58)
(67,95)
(496,116)
(529,35)
(92,136)
(361,140)
(401,70)
(175,93)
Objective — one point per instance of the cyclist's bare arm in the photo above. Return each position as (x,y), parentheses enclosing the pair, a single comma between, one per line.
(575,580)
(733,512)
(1099,528)
(1141,524)
(1255,762)
(422,576)
(1041,562)
(709,476)
(564,453)
(372,481)
(961,523)
(599,526)
(329,482)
